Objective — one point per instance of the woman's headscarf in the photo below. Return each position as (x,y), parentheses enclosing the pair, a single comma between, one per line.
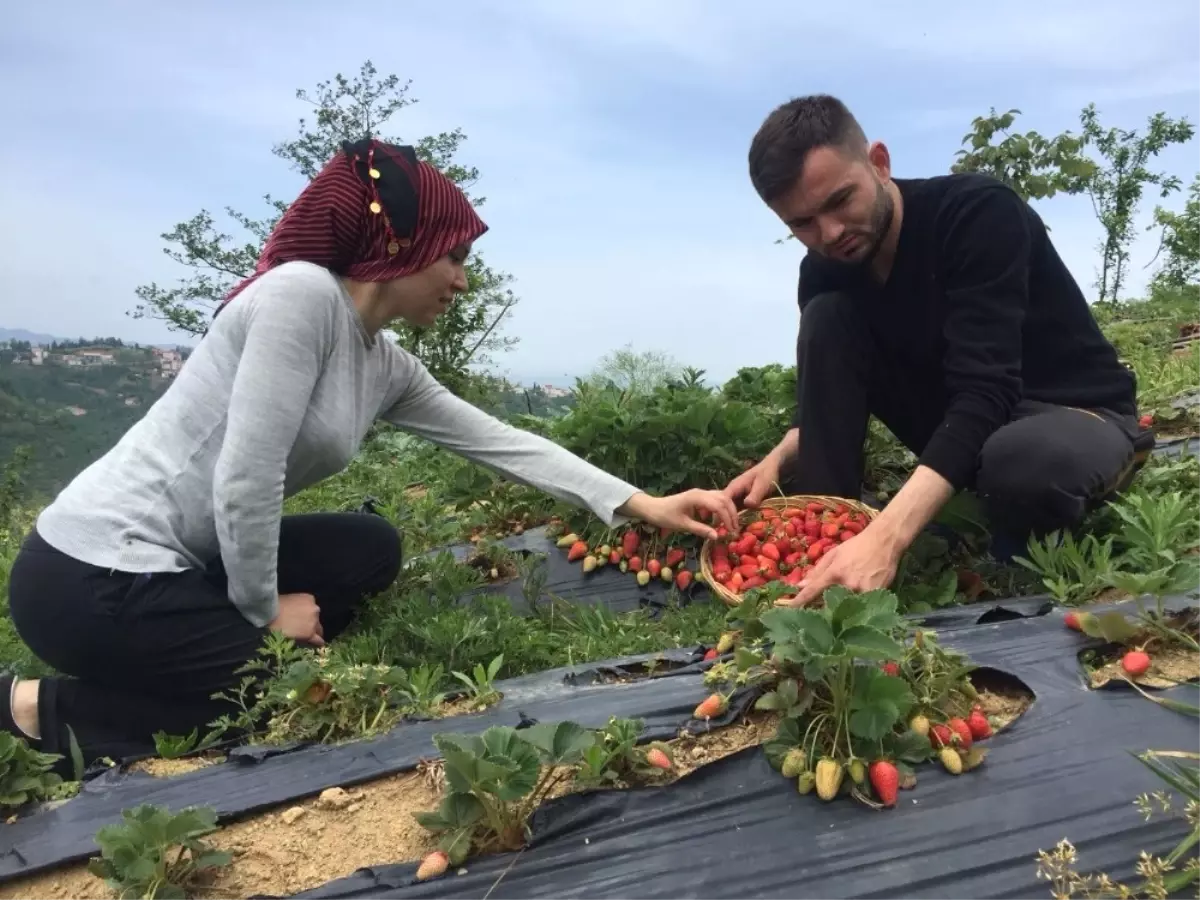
(374,213)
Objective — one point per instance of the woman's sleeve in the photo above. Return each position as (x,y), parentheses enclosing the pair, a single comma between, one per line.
(423,407)
(289,329)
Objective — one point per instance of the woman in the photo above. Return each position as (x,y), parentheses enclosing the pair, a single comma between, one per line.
(157,572)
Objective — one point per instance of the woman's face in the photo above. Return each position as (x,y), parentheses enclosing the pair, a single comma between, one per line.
(423,296)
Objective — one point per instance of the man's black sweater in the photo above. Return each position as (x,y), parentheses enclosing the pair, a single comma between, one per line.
(978,298)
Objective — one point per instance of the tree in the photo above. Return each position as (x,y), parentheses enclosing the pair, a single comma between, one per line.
(635,372)
(1034,166)
(1116,188)
(1179,242)
(344,110)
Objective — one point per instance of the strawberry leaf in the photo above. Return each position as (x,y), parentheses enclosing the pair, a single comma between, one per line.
(877,704)
(560,743)
(1110,626)
(865,642)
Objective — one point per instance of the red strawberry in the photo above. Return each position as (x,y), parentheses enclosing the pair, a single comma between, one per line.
(979,725)
(578,550)
(960,728)
(940,736)
(683,579)
(771,552)
(830,530)
(635,564)
(654,567)
(753,582)
(710,653)
(1135,662)
(630,541)
(1071,620)
(891,668)
(853,525)
(885,778)
(846,535)
(614,557)
(1145,421)
(674,557)
(658,759)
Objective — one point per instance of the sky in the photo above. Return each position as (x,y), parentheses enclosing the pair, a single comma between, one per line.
(611,139)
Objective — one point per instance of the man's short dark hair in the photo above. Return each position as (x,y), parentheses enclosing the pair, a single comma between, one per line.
(783,141)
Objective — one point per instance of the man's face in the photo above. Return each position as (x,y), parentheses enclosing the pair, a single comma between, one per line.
(840,208)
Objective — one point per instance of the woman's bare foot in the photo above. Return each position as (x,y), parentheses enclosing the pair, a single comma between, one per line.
(25,708)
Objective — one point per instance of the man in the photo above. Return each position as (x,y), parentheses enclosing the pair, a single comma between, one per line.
(940,306)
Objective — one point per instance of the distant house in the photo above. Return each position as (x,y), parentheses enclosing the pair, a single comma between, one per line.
(551,391)
(96,357)
(37,355)
(169,362)
(77,410)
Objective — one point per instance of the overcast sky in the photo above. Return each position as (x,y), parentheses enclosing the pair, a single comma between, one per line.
(611,137)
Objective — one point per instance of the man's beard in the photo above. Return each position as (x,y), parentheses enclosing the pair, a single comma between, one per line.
(882,212)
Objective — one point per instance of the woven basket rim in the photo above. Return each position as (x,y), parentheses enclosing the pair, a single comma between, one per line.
(729,597)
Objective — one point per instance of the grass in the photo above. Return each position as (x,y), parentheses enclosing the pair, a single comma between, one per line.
(423,626)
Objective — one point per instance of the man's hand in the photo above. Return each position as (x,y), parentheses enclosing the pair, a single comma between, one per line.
(754,485)
(866,563)
(869,561)
(299,618)
(677,512)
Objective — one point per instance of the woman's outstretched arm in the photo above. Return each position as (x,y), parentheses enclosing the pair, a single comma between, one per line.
(424,407)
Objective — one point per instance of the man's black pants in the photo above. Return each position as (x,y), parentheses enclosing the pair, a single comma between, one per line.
(147,652)
(1045,469)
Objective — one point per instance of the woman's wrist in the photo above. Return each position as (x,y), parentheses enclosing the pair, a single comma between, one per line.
(638,506)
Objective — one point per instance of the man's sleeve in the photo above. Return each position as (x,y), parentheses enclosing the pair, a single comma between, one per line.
(984,273)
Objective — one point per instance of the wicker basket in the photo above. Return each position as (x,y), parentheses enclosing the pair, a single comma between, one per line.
(778,504)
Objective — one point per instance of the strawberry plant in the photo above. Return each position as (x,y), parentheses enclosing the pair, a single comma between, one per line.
(27,776)
(616,757)
(846,684)
(291,693)
(496,780)
(156,854)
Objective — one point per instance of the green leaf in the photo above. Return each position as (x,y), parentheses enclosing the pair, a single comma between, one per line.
(909,746)
(878,703)
(559,743)
(865,642)
(805,627)
(1110,626)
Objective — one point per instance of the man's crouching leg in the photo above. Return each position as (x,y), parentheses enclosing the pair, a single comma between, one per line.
(1049,468)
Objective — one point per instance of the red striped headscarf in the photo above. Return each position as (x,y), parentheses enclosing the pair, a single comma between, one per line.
(374,213)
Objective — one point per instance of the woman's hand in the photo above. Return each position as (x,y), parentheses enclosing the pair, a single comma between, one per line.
(299,618)
(678,512)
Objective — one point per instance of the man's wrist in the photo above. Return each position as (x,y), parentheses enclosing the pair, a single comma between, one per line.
(914,506)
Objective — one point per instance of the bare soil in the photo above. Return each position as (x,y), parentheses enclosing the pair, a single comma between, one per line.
(1168,666)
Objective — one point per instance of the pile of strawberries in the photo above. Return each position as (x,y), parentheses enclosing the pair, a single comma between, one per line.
(782,545)
(628,557)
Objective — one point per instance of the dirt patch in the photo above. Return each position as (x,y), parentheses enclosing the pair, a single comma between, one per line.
(166,768)
(1169,666)
(463,706)
(292,848)
(694,751)
(1004,698)
(631,672)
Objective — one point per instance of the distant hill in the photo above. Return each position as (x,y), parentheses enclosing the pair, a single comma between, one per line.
(33,337)
(70,413)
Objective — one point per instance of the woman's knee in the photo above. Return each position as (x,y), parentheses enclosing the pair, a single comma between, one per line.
(385,549)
